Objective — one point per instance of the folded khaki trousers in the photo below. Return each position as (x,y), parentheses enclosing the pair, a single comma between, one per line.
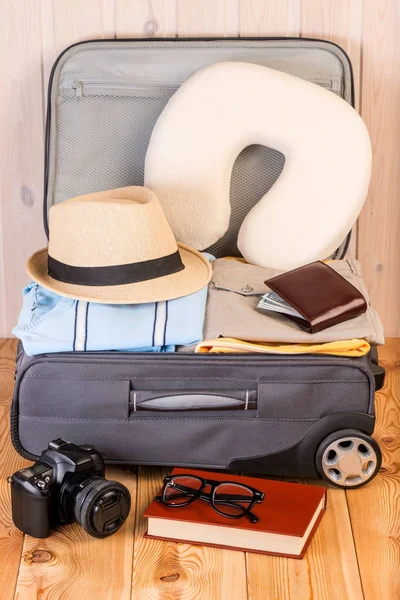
(235,291)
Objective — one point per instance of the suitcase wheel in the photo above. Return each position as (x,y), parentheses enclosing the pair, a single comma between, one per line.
(348,458)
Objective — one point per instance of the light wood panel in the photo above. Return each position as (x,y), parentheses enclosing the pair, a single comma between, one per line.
(164,570)
(379,225)
(198,18)
(272,18)
(3,295)
(375,509)
(21,150)
(146,18)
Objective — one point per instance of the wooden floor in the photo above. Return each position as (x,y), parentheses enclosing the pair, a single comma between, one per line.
(355,553)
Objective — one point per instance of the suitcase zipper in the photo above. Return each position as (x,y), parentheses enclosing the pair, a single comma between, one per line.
(98,86)
(326,83)
(77,86)
(80,88)
(135,357)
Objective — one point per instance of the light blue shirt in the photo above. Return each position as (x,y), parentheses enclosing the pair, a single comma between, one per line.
(51,323)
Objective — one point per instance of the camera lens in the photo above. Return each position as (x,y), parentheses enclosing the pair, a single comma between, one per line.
(101,506)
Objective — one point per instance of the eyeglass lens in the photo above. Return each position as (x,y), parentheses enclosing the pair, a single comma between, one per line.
(181,489)
(232,499)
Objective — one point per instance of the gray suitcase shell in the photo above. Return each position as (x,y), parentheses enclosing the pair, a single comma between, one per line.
(254,413)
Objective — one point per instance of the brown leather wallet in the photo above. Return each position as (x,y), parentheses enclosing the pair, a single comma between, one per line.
(322,296)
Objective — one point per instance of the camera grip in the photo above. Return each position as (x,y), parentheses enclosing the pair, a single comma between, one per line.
(31,508)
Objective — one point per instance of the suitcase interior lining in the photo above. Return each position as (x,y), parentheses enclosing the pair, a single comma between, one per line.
(106,97)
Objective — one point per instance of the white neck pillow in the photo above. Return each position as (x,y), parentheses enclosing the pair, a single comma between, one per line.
(226,107)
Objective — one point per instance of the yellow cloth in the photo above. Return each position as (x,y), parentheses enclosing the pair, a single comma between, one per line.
(243,260)
(351,348)
(238,258)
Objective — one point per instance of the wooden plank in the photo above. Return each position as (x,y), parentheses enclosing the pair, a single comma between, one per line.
(24,82)
(207,18)
(21,150)
(379,225)
(339,21)
(164,570)
(66,22)
(272,18)
(327,572)
(146,18)
(375,508)
(70,564)
(10,538)
(3,326)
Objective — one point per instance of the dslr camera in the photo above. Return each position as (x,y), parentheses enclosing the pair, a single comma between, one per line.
(67,484)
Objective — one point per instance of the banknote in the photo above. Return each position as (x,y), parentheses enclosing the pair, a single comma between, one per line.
(273,302)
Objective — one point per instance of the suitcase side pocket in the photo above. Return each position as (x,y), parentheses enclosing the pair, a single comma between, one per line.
(310,400)
(74,398)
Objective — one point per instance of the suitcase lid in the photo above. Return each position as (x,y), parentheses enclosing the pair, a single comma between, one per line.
(105,96)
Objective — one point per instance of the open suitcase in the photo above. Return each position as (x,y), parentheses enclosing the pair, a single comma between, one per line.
(309,415)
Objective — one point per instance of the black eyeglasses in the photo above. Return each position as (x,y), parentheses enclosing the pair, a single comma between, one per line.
(228,498)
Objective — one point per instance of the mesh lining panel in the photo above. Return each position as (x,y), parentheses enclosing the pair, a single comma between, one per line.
(255,171)
(102,141)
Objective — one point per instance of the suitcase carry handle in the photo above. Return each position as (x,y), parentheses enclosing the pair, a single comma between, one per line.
(224,400)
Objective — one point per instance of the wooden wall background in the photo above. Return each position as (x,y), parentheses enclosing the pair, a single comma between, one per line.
(34,32)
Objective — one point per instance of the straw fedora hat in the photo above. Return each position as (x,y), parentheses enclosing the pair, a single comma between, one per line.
(116,247)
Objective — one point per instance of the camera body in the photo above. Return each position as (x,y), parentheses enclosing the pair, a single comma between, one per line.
(67,485)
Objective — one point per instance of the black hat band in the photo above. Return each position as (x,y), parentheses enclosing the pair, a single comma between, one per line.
(116,274)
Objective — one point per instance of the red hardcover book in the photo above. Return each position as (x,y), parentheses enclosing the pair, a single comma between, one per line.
(288,518)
